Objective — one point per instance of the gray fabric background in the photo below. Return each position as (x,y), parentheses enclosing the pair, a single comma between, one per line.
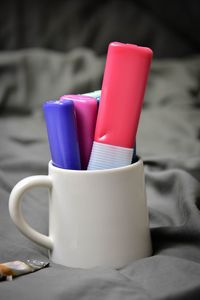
(168,141)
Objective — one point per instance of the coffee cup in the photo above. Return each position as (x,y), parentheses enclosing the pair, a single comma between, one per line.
(96,218)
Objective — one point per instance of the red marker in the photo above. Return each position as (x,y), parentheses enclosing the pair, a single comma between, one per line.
(124,82)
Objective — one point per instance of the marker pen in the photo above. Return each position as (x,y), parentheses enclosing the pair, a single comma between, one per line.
(62,133)
(134,156)
(86,114)
(124,82)
(94,94)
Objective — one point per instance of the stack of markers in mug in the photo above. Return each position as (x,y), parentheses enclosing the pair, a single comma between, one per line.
(98,130)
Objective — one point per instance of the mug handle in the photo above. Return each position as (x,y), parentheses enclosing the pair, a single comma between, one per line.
(15,208)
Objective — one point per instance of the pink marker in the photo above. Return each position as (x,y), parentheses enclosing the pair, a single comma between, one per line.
(86,113)
(124,82)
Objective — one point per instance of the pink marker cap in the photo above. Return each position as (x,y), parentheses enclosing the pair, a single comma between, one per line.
(86,113)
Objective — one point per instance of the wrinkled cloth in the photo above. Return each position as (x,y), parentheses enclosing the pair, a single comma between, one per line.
(168,140)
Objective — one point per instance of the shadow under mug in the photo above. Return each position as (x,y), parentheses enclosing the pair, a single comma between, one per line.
(96,218)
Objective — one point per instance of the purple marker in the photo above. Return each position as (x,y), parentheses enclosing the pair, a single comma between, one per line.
(86,113)
(62,134)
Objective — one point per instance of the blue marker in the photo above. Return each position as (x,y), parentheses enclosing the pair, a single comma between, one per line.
(62,133)
(134,158)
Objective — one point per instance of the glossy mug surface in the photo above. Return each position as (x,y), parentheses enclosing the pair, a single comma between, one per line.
(96,218)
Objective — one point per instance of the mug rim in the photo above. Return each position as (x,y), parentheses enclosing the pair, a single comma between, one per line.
(113,170)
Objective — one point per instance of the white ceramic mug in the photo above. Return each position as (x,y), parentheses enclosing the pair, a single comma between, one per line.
(96,218)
